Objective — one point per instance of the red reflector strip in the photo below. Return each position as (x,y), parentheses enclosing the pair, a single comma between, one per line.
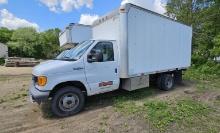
(105,83)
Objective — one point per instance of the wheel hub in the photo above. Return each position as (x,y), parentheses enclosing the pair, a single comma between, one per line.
(68,102)
(169,83)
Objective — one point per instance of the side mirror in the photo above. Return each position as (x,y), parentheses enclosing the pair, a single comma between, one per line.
(91,58)
(95,56)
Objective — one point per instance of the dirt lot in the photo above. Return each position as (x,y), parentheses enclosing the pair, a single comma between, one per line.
(103,113)
(10,71)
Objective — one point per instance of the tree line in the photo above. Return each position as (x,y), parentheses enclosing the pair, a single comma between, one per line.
(204,17)
(27,42)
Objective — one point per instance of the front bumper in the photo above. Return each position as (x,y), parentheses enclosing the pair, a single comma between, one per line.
(38,96)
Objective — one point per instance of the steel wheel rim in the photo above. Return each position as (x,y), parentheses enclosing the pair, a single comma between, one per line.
(68,102)
(169,83)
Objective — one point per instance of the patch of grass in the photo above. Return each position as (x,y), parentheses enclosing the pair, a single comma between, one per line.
(217,102)
(46,110)
(105,117)
(195,74)
(101,130)
(163,114)
(128,107)
(4,78)
(159,113)
(204,81)
(186,109)
(132,103)
(2,61)
(21,95)
(203,86)
(103,123)
(129,102)
(14,96)
(2,101)
(208,72)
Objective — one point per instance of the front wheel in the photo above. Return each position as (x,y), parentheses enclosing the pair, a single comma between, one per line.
(67,101)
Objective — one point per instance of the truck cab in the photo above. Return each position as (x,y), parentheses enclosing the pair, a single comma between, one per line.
(92,67)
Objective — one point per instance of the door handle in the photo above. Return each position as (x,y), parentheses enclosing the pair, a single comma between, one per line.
(77,68)
(116,70)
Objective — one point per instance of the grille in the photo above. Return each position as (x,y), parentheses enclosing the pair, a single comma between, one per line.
(34,78)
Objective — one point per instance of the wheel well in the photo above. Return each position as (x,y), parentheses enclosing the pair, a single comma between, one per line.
(153,77)
(77,84)
(168,72)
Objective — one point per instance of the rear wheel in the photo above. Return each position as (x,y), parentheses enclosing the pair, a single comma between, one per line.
(165,82)
(67,101)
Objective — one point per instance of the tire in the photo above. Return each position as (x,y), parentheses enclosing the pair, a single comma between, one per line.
(165,82)
(67,101)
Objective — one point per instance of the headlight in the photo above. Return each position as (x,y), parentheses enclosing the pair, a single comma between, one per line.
(41,80)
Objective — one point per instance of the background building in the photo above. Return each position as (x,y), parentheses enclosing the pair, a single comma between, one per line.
(3,51)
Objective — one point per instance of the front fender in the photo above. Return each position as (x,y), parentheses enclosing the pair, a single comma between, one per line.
(54,80)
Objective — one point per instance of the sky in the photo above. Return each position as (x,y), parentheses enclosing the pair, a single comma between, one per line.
(46,14)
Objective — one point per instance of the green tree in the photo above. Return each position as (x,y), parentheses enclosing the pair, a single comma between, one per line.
(27,42)
(204,17)
(49,41)
(5,35)
(216,50)
(22,42)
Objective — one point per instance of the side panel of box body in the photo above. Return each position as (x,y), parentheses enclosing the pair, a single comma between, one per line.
(156,44)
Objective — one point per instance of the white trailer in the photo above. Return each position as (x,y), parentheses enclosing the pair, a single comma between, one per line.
(75,34)
(129,48)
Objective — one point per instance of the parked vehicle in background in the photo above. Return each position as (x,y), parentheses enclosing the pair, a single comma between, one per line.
(128,48)
(75,34)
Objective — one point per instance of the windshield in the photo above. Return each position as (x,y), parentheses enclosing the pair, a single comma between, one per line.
(76,52)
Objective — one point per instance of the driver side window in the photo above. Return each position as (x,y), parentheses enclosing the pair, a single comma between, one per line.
(104,50)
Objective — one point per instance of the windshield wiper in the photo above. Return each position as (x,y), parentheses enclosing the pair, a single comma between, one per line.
(65,59)
(69,59)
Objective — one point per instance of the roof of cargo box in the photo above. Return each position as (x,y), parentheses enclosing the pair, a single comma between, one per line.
(76,24)
(116,12)
(106,17)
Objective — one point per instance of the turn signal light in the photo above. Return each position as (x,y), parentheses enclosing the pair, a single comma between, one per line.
(122,10)
(41,80)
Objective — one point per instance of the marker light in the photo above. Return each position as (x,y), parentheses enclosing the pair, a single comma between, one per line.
(122,10)
(41,80)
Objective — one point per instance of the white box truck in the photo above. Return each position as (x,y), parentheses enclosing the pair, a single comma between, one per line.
(129,47)
(74,34)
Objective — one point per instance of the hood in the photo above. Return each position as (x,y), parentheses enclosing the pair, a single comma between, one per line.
(53,67)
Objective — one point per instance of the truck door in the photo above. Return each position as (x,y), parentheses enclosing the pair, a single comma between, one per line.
(102,72)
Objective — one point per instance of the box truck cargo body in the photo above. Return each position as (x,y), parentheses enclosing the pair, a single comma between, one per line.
(128,49)
(149,42)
